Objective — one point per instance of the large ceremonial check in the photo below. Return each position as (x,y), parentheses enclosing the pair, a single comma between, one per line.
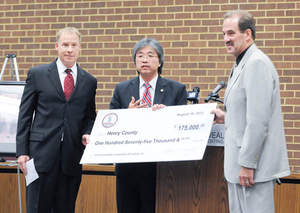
(174,133)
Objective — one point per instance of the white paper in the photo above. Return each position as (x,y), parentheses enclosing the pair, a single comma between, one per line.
(174,133)
(31,175)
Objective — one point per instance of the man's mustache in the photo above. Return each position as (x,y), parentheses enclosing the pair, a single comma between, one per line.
(229,43)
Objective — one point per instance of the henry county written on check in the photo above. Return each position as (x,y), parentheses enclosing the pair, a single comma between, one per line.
(174,133)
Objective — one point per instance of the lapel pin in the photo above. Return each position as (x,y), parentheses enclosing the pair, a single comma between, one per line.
(161,90)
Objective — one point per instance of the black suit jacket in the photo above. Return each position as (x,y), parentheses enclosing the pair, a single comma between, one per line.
(167,92)
(46,117)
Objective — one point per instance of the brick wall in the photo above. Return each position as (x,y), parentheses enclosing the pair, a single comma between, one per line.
(189,30)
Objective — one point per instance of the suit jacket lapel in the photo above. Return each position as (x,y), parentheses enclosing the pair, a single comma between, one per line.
(79,81)
(237,70)
(231,80)
(134,88)
(160,90)
(54,78)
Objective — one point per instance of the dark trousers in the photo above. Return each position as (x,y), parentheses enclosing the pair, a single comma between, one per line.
(136,184)
(53,192)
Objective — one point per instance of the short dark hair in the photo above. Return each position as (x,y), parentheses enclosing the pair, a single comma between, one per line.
(246,21)
(155,45)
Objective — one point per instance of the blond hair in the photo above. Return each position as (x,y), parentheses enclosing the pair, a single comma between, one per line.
(69,30)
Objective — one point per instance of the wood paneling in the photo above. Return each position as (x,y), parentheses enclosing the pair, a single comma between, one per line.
(9,198)
(206,193)
(287,196)
(199,186)
(193,186)
(97,194)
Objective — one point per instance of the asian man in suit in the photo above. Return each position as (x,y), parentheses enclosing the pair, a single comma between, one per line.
(56,116)
(255,148)
(136,182)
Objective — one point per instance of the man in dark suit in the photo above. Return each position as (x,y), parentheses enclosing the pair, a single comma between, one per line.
(56,116)
(136,182)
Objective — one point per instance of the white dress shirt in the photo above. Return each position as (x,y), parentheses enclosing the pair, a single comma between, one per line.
(62,74)
(151,90)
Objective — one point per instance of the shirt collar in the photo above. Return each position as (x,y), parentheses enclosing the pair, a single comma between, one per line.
(61,67)
(152,82)
(239,58)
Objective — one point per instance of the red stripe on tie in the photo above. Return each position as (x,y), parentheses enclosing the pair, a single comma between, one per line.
(68,84)
(147,96)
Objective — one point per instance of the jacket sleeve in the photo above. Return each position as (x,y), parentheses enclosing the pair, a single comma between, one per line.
(116,101)
(181,98)
(259,86)
(26,112)
(91,110)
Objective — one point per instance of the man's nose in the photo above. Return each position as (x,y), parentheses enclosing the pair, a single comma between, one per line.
(69,48)
(145,59)
(226,38)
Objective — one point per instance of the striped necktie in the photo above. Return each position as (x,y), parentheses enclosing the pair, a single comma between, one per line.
(147,95)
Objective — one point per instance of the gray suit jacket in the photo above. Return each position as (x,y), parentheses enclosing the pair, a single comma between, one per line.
(254,132)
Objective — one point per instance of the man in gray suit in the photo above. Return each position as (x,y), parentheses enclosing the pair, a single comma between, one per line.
(255,148)
(136,182)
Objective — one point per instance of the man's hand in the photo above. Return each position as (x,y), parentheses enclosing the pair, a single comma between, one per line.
(136,104)
(22,159)
(85,139)
(219,116)
(246,177)
(157,107)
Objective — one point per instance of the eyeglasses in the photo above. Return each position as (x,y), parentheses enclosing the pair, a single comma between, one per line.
(140,57)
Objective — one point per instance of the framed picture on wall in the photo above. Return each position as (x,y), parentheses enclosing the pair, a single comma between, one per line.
(10,99)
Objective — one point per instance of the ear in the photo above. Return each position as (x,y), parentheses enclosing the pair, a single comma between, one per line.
(56,45)
(248,33)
